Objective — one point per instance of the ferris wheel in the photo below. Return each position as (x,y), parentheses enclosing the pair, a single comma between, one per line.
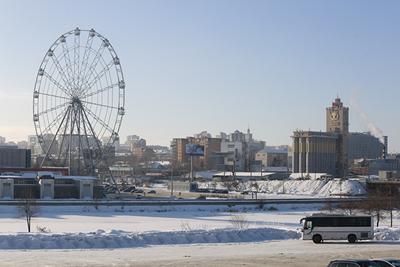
(78,100)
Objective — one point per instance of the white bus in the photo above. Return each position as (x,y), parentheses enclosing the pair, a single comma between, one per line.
(320,227)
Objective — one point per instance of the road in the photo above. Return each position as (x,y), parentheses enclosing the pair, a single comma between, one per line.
(291,253)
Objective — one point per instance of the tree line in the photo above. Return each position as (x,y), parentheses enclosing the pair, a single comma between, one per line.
(382,200)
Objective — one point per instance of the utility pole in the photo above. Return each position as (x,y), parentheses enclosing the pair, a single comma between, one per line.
(191,168)
(172,181)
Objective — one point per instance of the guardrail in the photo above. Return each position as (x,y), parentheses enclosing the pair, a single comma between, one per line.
(179,202)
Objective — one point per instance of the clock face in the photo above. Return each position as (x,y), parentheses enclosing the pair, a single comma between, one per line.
(335,115)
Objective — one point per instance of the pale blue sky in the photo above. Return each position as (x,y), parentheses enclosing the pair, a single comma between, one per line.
(219,65)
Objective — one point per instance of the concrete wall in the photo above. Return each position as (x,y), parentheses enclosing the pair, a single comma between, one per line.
(46,188)
(6,188)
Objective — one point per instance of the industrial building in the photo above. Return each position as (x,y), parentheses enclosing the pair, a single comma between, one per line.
(365,146)
(336,149)
(375,166)
(315,152)
(319,152)
(46,185)
(14,157)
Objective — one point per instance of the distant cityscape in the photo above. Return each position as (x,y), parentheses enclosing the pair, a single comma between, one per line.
(337,152)
(200,133)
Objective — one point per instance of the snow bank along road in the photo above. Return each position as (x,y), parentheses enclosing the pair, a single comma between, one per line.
(121,239)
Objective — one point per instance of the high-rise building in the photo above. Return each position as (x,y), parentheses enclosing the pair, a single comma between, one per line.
(34,145)
(204,134)
(234,155)
(134,141)
(239,151)
(211,147)
(178,149)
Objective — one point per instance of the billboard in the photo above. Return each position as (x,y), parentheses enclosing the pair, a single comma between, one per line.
(194,150)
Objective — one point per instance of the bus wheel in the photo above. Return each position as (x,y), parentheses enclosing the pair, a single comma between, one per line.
(317,239)
(352,239)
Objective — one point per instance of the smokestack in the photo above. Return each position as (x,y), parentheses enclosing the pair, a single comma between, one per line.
(385,147)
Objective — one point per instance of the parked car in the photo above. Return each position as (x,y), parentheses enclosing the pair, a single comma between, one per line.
(394,262)
(152,192)
(353,263)
(110,189)
(129,189)
(140,191)
(384,263)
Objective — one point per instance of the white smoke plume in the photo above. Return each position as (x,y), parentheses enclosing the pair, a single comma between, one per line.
(372,128)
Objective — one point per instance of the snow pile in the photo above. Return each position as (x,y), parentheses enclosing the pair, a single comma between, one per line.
(387,234)
(120,239)
(321,188)
(346,187)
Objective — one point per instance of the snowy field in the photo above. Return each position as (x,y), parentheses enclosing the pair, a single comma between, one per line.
(138,219)
(176,236)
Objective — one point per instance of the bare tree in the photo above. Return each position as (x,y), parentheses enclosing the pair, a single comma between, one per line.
(349,207)
(374,206)
(329,206)
(231,185)
(239,221)
(379,202)
(391,201)
(255,187)
(28,208)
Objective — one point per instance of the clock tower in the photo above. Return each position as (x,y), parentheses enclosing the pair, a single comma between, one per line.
(337,118)
(337,121)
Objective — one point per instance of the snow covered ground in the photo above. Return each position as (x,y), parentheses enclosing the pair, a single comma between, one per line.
(122,227)
(176,236)
(72,219)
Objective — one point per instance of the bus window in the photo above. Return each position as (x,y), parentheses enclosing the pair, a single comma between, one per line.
(307,224)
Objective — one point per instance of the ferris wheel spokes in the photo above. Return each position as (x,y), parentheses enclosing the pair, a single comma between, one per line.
(78,100)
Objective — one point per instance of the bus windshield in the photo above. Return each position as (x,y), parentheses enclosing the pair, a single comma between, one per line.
(307,224)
